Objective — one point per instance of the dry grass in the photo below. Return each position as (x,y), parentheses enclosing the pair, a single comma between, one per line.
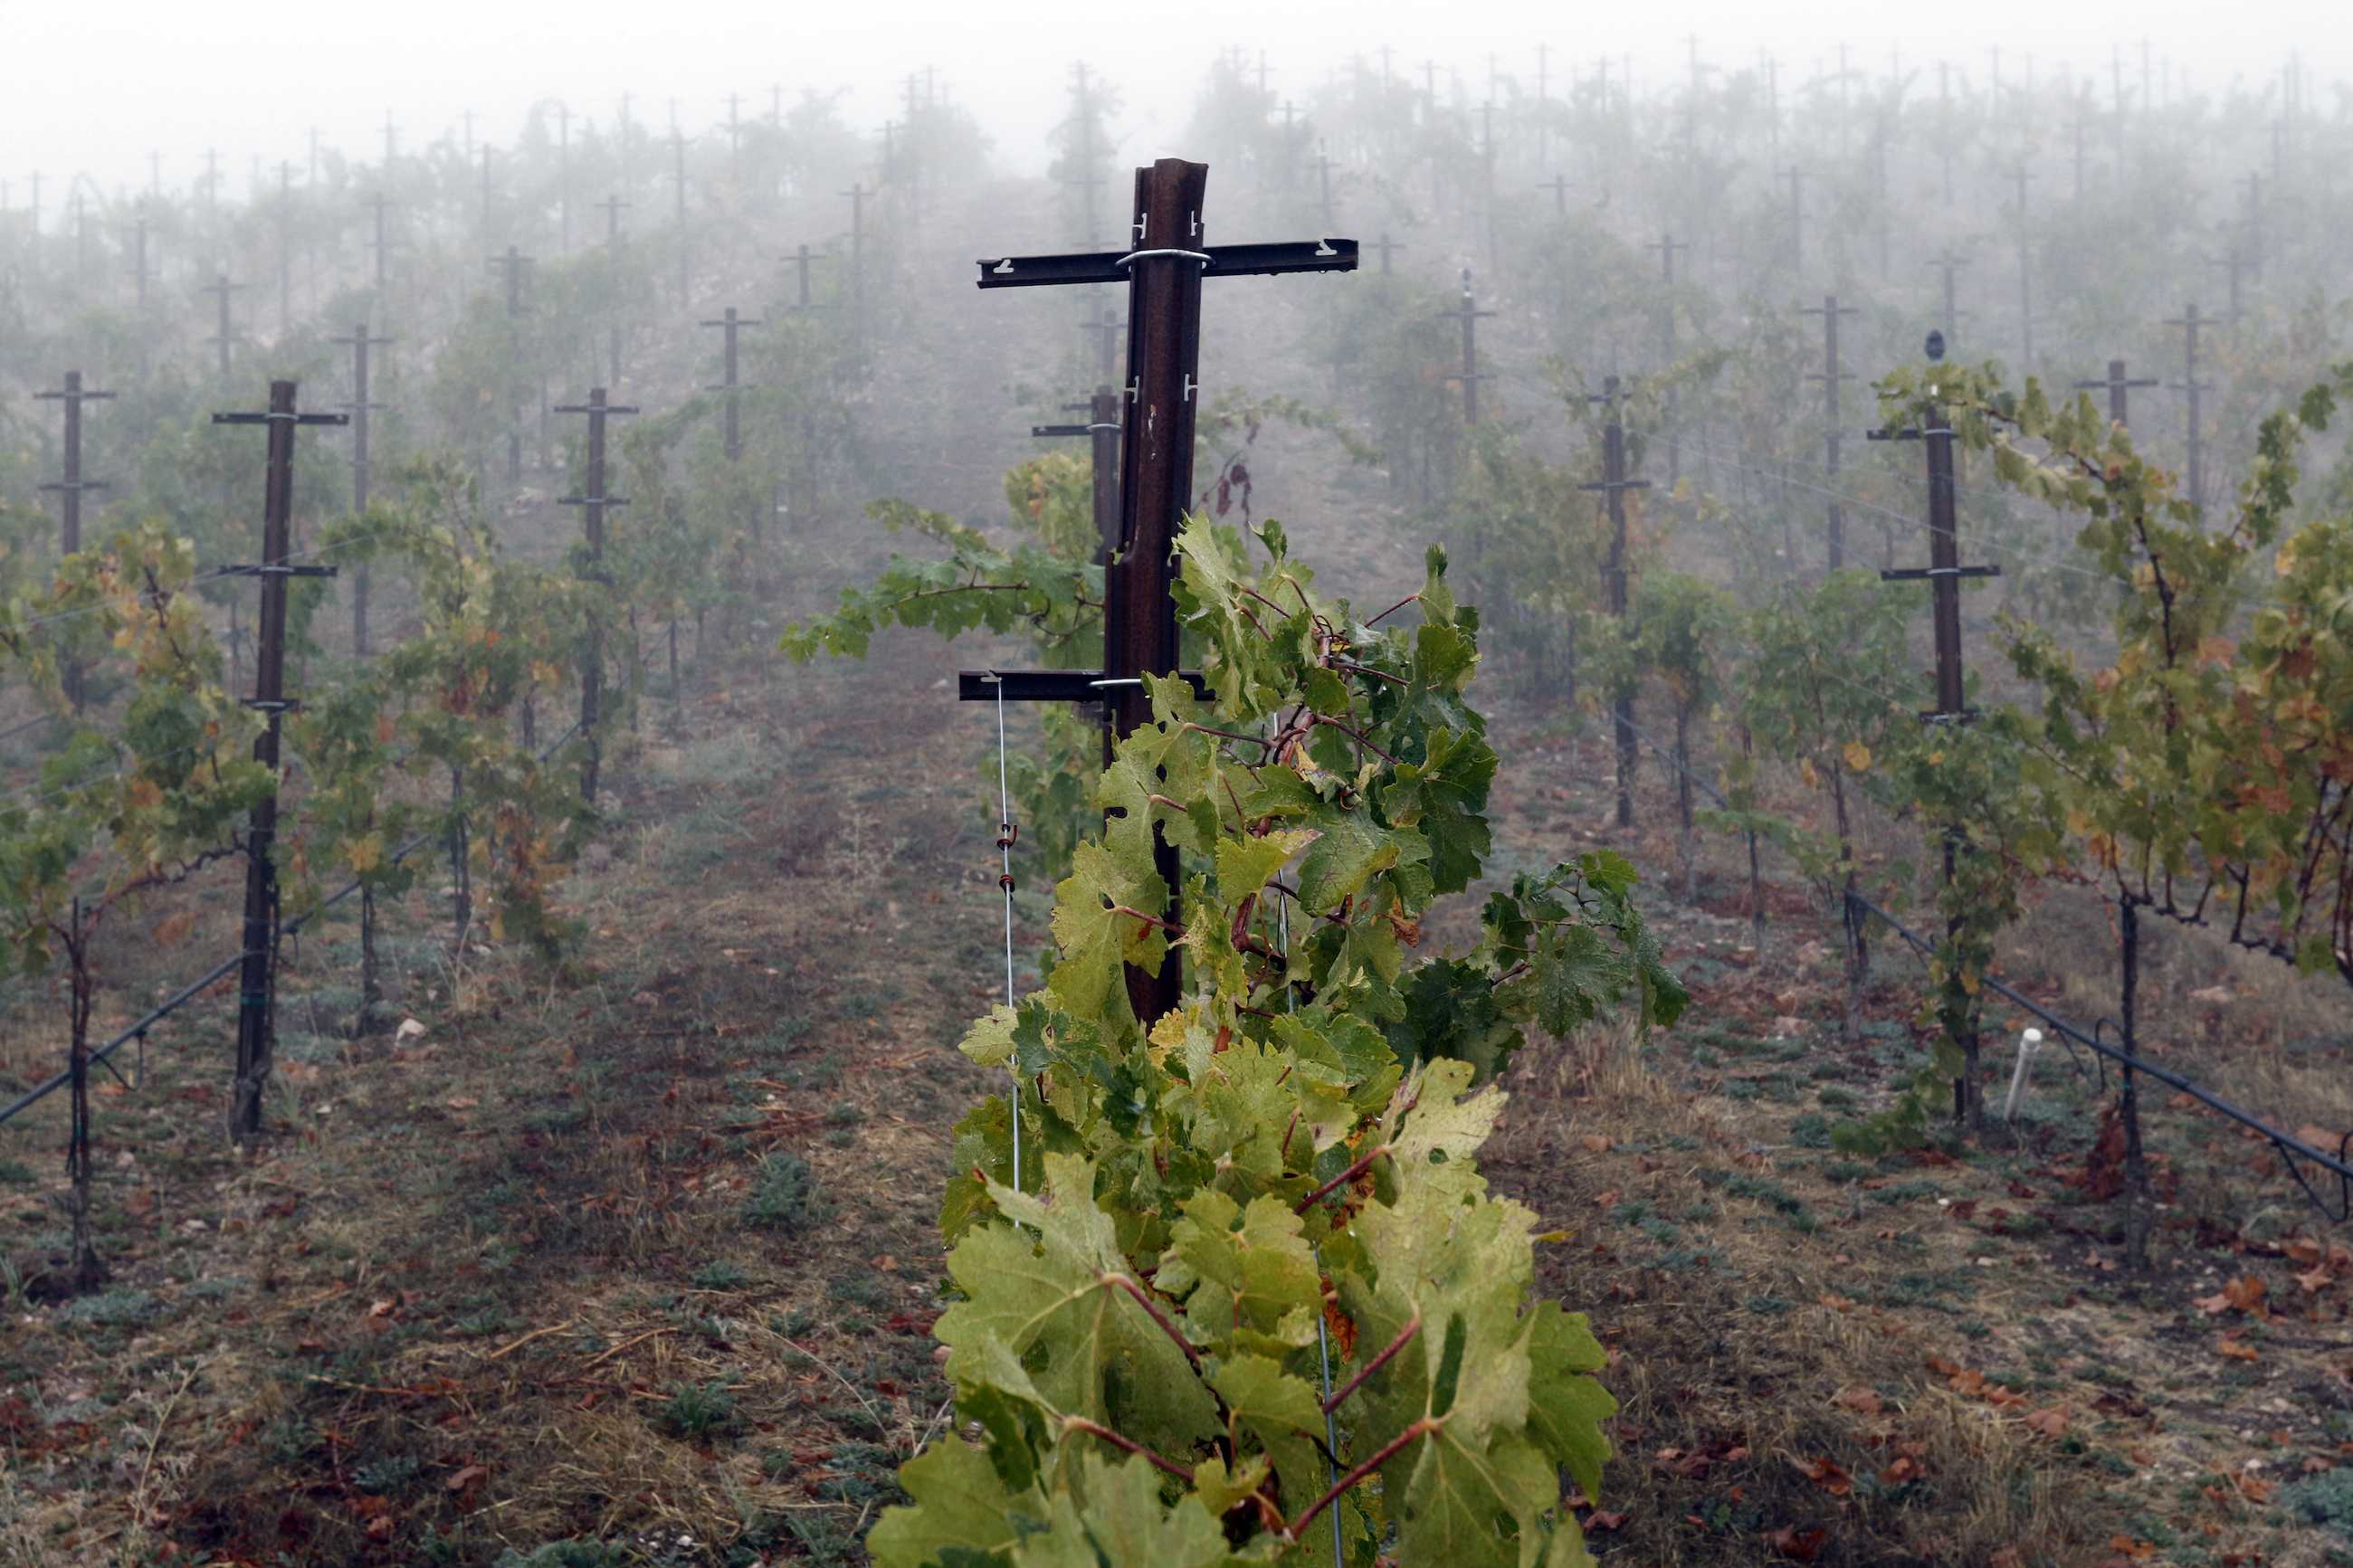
(502,1286)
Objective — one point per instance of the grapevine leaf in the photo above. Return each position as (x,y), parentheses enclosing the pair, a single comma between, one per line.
(961,1504)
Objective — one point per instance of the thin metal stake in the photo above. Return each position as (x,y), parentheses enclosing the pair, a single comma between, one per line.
(1322,1326)
(1005,880)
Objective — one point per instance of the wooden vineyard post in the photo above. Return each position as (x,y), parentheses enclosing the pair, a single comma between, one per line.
(257,967)
(1558,186)
(359,408)
(68,491)
(1613,487)
(592,502)
(1830,376)
(1163,273)
(1943,574)
(1469,315)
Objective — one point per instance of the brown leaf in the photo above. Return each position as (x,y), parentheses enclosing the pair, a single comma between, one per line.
(2050,1423)
(2238,1349)
(2255,1489)
(173,929)
(471,1476)
(1797,1545)
(1861,1399)
(1599,1524)
(2103,1174)
(1595,1143)
(1827,1474)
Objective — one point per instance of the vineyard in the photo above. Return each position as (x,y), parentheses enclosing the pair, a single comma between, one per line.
(1517,814)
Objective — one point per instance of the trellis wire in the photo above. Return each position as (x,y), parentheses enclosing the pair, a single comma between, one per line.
(2290,1147)
(187,994)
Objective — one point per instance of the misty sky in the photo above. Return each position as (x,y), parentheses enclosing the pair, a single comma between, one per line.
(93,88)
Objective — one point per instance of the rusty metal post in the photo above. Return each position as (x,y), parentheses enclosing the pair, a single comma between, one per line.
(1469,315)
(359,408)
(857,196)
(1162,271)
(1613,486)
(2193,389)
(592,502)
(2118,386)
(221,289)
(512,264)
(678,179)
(1830,375)
(69,491)
(257,967)
(729,324)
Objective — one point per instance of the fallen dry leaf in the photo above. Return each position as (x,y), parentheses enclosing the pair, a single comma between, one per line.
(1861,1400)
(1827,1474)
(2050,1423)
(1797,1545)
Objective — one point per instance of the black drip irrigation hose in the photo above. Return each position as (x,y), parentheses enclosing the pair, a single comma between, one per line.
(2292,1149)
(187,994)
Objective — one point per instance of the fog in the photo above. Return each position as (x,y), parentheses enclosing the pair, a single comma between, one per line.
(95,91)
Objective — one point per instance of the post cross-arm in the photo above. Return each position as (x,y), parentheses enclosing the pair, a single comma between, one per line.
(1164,272)
(70,486)
(1217,262)
(2118,386)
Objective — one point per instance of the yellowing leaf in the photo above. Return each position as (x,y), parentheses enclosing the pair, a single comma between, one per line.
(1858,757)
